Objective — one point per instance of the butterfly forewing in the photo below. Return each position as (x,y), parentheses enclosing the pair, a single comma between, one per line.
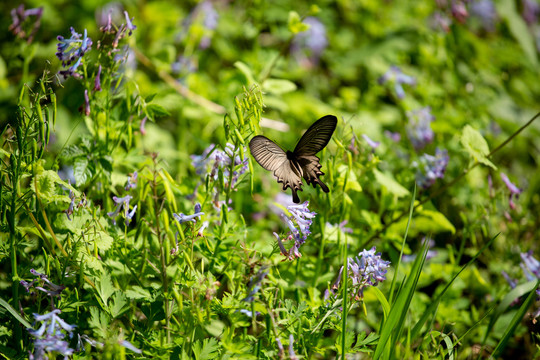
(267,153)
(317,136)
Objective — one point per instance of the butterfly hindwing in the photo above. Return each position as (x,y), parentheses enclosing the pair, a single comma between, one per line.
(311,168)
(317,136)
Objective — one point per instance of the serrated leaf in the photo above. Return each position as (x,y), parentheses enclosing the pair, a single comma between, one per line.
(390,184)
(119,304)
(476,145)
(44,184)
(278,86)
(105,287)
(206,349)
(71,152)
(99,321)
(137,292)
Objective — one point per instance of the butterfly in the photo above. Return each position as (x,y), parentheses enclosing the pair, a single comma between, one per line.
(289,167)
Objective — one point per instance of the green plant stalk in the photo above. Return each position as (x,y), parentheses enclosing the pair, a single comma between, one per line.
(162,257)
(453,182)
(345,296)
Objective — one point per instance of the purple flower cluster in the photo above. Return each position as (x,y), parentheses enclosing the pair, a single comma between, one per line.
(123,202)
(50,337)
(19,16)
(212,161)
(484,11)
(514,190)
(71,51)
(395,76)
(418,127)
(430,168)
(255,284)
(206,15)
(47,287)
(308,46)
(530,12)
(373,144)
(531,268)
(301,217)
(366,269)
(131,181)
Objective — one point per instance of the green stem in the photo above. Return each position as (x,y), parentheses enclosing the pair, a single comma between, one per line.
(345,296)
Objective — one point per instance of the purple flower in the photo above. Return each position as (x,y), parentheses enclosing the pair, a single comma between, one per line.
(86,106)
(367,269)
(395,76)
(459,11)
(341,226)
(97,81)
(530,12)
(430,168)
(310,43)
(440,21)
(485,11)
(255,284)
(121,203)
(129,23)
(205,14)
(418,127)
(511,282)
(70,51)
(50,335)
(204,225)
(132,181)
(142,128)
(52,289)
(292,355)
(530,266)
(130,346)
(281,351)
(181,218)
(514,190)
(301,218)
(371,143)
(394,136)
(213,161)
(19,16)
(71,207)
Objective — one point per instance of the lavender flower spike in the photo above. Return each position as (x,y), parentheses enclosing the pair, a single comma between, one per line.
(367,269)
(395,76)
(50,335)
(430,168)
(129,23)
(419,127)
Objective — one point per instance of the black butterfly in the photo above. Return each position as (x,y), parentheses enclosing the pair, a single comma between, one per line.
(289,167)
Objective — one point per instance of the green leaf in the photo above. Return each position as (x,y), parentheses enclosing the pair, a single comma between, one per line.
(206,349)
(105,287)
(154,110)
(14,313)
(81,171)
(119,304)
(246,71)
(476,145)
(516,320)
(278,86)
(99,321)
(390,184)
(137,292)
(44,185)
(295,24)
(517,26)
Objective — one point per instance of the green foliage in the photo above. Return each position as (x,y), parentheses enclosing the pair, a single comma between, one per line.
(131,207)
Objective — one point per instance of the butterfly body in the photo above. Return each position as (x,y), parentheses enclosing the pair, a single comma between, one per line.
(291,166)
